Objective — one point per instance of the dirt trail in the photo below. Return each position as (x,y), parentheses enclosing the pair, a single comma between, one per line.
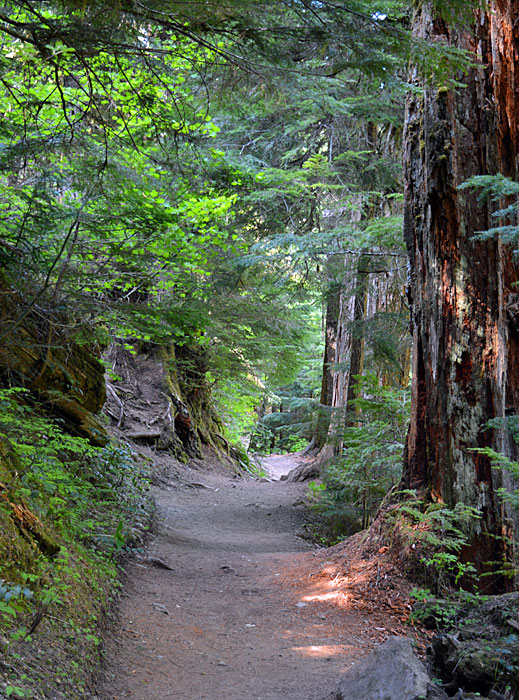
(243,613)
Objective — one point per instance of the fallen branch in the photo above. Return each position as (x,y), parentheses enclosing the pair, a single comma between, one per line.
(118,401)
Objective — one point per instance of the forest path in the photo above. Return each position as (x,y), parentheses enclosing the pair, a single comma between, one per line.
(249,610)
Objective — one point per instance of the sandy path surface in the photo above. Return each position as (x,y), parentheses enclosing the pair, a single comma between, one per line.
(240,614)
(277,466)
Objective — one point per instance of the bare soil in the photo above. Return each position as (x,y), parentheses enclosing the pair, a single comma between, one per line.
(248,608)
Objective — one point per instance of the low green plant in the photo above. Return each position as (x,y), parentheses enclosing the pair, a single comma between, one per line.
(13,600)
(503,463)
(315,489)
(431,611)
(434,537)
(13,691)
(82,500)
(64,479)
(508,494)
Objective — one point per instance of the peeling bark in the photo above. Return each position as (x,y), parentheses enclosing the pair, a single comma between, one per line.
(465,350)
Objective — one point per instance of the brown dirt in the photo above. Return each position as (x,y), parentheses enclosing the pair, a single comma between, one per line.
(249,610)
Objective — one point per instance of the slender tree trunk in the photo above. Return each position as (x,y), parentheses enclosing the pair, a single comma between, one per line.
(339,369)
(465,353)
(358,331)
(330,347)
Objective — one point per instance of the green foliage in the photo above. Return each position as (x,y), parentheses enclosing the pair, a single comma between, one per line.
(498,189)
(433,612)
(67,481)
(508,494)
(502,462)
(16,692)
(288,428)
(146,154)
(357,480)
(13,600)
(166,174)
(126,211)
(459,11)
(289,425)
(104,222)
(66,510)
(288,412)
(179,173)
(236,403)
(433,537)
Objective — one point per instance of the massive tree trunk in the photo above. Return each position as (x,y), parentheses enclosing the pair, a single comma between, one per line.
(465,353)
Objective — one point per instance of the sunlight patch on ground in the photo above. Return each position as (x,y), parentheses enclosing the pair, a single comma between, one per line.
(324,650)
(330,595)
(336,588)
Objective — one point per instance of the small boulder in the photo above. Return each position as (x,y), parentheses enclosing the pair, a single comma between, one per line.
(390,672)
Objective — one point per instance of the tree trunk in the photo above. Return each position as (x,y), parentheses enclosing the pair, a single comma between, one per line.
(340,369)
(465,355)
(357,331)
(330,346)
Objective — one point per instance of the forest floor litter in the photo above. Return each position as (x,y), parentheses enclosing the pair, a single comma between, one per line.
(228,602)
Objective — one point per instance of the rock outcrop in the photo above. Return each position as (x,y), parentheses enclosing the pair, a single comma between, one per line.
(22,531)
(159,399)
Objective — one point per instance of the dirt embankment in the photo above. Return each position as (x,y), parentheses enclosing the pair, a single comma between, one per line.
(247,609)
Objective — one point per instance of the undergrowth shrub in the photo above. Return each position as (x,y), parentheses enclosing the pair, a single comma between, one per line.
(510,496)
(357,480)
(66,509)
(286,429)
(429,538)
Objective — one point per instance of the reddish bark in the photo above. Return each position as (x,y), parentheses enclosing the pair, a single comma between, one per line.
(466,355)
